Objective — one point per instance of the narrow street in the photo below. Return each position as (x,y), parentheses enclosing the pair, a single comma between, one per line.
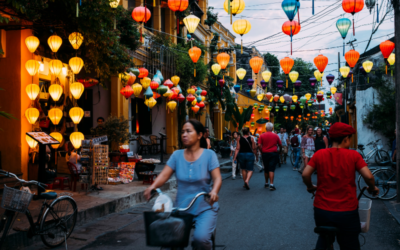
(254,219)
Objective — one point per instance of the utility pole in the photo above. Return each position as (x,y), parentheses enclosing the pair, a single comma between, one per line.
(396,7)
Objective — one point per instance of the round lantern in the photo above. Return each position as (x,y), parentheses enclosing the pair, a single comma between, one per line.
(32,66)
(143,72)
(141,15)
(293,75)
(178,6)
(180,98)
(31,142)
(150,102)
(330,78)
(367,65)
(33,91)
(175,80)
(190,98)
(76,114)
(168,83)
(276,98)
(154,85)
(313,81)
(352,57)
(279,84)
(127,91)
(191,91)
(76,139)
(191,22)
(137,89)
(55,115)
(54,42)
(320,97)
(291,28)
(223,60)
(241,73)
(58,137)
(343,25)
(386,49)
(320,62)
(55,67)
(32,114)
(195,54)
(241,27)
(75,39)
(256,64)
(171,105)
(294,98)
(266,75)
(203,93)
(237,6)
(308,96)
(201,104)
(250,83)
(287,65)
(391,60)
(146,82)
(333,90)
(156,95)
(55,91)
(32,42)
(344,71)
(76,64)
(168,93)
(77,89)
(216,68)
(352,6)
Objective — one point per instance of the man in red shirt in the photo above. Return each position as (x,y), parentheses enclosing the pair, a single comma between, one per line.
(268,145)
(336,203)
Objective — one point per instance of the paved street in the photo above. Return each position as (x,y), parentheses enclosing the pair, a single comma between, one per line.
(254,219)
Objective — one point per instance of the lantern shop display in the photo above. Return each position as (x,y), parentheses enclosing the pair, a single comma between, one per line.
(32,90)
(54,43)
(32,66)
(32,114)
(31,142)
(76,139)
(76,114)
(55,91)
(55,115)
(76,64)
(75,39)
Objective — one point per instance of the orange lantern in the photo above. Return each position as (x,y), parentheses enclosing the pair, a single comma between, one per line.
(154,85)
(178,6)
(195,109)
(256,63)
(287,65)
(223,59)
(352,6)
(291,118)
(143,72)
(141,15)
(320,62)
(195,54)
(127,91)
(352,57)
(386,49)
(291,28)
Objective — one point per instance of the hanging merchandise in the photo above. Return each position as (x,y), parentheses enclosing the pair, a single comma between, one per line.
(148,93)
(55,115)
(154,85)
(344,71)
(137,89)
(291,28)
(75,39)
(191,91)
(55,91)
(241,73)
(268,96)
(282,99)
(241,27)
(32,114)
(131,78)
(386,49)
(234,7)
(367,65)
(198,91)
(294,98)
(330,78)
(343,25)
(260,97)
(195,109)
(76,114)
(76,64)
(135,71)
(178,6)
(308,96)
(171,106)
(161,89)
(141,15)
(54,43)
(352,6)
(146,82)
(263,84)
(32,43)
(168,83)
(32,66)
(223,60)
(180,98)
(175,80)
(203,92)
(286,63)
(191,22)
(32,90)
(127,91)
(59,137)
(168,93)
(143,72)
(276,98)
(190,98)
(279,84)
(76,139)
(352,57)
(195,54)
(318,75)
(256,64)
(201,104)
(391,60)
(198,99)
(287,98)
(266,75)
(150,102)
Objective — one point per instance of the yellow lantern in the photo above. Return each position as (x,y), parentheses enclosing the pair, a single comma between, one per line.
(58,137)
(175,80)
(295,98)
(76,64)
(260,97)
(171,105)
(318,75)
(203,98)
(32,66)
(33,91)
(308,96)
(75,39)
(145,82)
(32,114)
(55,91)
(32,42)
(367,65)
(191,23)
(281,99)
(76,139)
(54,42)
(55,67)
(320,92)
(150,102)
(253,92)
(266,75)
(333,90)
(391,59)
(344,71)
(77,89)
(137,89)
(191,91)
(76,115)
(31,142)
(216,68)
(124,77)
(194,102)
(241,73)
(237,6)
(168,93)
(241,27)
(55,115)
(293,76)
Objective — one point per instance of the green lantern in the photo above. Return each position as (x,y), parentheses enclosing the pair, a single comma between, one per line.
(292,107)
(303,100)
(328,94)
(269,108)
(255,105)
(285,108)
(260,110)
(262,106)
(162,89)
(301,105)
(277,108)
(309,104)
(252,124)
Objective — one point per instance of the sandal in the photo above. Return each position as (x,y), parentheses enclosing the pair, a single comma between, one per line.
(246,186)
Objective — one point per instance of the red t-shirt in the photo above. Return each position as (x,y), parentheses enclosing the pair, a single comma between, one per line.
(269,142)
(336,185)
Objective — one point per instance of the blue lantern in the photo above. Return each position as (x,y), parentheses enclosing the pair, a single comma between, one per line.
(248,92)
(236,88)
(198,91)
(343,25)
(290,8)
(148,93)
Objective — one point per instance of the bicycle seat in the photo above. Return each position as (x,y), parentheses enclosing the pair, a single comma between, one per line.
(48,195)
(360,146)
(326,230)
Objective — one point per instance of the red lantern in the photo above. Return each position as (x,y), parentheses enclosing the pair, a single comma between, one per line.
(223,59)
(176,90)
(179,6)
(256,64)
(386,49)
(352,6)
(154,85)
(143,72)
(190,98)
(203,92)
(141,15)
(201,104)
(221,83)
(127,91)
(168,83)
(320,62)
(195,54)
(287,65)
(156,95)
(352,57)
(291,28)
(132,79)
(195,109)
(180,98)
(252,116)
(194,87)
(173,95)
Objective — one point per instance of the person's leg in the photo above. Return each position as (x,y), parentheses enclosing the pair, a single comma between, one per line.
(322,218)
(244,174)
(296,152)
(249,167)
(234,169)
(205,224)
(349,226)
(273,161)
(248,177)
(265,160)
(285,151)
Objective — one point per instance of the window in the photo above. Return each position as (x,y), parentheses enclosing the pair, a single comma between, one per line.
(149,5)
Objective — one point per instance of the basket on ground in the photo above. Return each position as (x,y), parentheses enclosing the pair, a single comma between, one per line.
(364,210)
(15,200)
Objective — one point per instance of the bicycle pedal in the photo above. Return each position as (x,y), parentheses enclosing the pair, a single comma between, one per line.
(18,229)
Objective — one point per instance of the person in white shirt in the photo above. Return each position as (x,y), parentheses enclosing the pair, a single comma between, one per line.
(284,139)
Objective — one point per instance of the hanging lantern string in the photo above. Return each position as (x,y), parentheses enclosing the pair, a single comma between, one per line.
(291,39)
(377,12)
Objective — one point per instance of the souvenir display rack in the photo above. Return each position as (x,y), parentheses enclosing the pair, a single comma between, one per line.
(100,164)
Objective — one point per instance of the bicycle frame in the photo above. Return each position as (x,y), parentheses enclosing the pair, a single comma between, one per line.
(369,154)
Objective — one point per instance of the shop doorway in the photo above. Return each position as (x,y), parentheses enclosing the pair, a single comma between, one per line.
(86,103)
(141,117)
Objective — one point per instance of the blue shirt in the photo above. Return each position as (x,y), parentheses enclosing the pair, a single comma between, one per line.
(193,178)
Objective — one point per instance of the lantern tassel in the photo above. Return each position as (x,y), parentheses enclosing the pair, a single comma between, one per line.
(241,47)
(291,39)
(377,13)
(229,11)
(154,3)
(386,69)
(352,78)
(392,72)
(77,9)
(195,71)
(177,24)
(368,79)
(287,83)
(343,47)
(298,16)
(115,22)
(354,31)
(216,82)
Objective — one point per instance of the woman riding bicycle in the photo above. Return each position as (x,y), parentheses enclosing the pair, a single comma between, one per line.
(194,168)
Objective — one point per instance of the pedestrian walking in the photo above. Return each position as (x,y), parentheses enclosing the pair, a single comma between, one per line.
(295,143)
(336,203)
(307,146)
(235,165)
(321,141)
(258,163)
(268,145)
(195,169)
(245,152)
(284,139)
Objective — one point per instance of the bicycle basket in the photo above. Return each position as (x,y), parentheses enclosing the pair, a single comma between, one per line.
(364,210)
(15,200)
(168,229)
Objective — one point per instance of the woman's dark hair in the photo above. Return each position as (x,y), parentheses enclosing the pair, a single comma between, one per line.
(309,127)
(322,132)
(339,140)
(196,125)
(100,118)
(70,148)
(234,132)
(245,131)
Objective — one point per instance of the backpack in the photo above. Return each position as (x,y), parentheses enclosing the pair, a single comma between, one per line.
(295,141)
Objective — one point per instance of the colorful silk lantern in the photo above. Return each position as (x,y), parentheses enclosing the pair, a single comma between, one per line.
(297,85)
(320,97)
(291,28)
(32,42)
(146,82)
(241,27)
(32,90)
(256,64)
(320,62)
(143,72)
(260,97)
(391,60)
(319,76)
(344,71)
(312,81)
(216,68)
(386,49)
(54,43)
(127,91)
(276,98)
(308,96)
(195,109)
(285,108)
(178,6)
(201,104)
(253,92)
(352,6)
(141,15)
(367,65)
(330,78)
(286,63)
(190,98)
(263,84)
(32,114)
(180,98)
(171,105)
(150,102)
(352,57)
(294,98)
(55,115)
(175,80)
(333,90)
(234,7)
(268,96)
(55,91)
(293,75)
(76,114)
(223,60)
(59,137)
(266,75)
(149,93)
(290,7)
(191,22)
(154,85)
(76,139)
(76,64)
(241,73)
(343,25)
(195,54)
(75,39)
(137,89)
(55,67)
(282,99)
(250,83)
(279,84)
(32,66)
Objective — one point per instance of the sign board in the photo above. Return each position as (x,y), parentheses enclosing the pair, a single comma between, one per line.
(42,138)
(87,113)
(100,139)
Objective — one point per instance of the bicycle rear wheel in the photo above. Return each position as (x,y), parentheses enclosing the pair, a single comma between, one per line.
(382,158)
(293,158)
(385,180)
(58,221)
(6,222)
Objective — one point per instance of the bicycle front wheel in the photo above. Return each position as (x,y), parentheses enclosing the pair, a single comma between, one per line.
(382,158)
(361,183)
(58,221)
(385,180)
(293,158)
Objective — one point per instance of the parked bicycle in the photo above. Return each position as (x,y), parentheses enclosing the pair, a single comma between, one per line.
(55,222)
(385,180)
(293,159)
(171,229)
(382,157)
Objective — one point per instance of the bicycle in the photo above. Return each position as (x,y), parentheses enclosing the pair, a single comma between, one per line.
(293,159)
(55,222)
(385,180)
(174,233)
(381,156)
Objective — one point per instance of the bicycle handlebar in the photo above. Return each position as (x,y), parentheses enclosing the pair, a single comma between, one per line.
(207,197)
(9,174)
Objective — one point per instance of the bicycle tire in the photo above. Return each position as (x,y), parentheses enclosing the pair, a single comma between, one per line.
(361,183)
(293,161)
(5,225)
(58,221)
(389,191)
(384,159)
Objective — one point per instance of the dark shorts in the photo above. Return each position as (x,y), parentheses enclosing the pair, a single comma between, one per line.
(246,161)
(270,160)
